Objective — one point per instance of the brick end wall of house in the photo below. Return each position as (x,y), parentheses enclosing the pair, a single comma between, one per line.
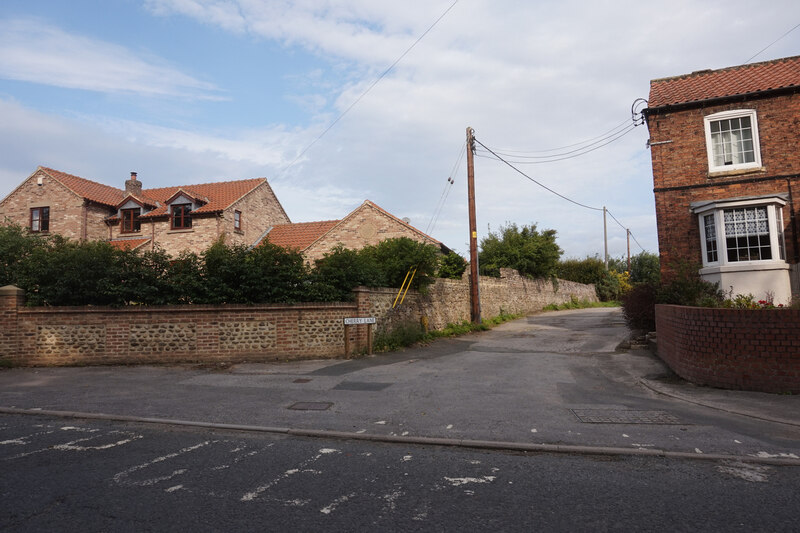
(740,349)
(681,174)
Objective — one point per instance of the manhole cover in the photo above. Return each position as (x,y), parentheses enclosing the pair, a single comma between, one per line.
(361,386)
(311,406)
(617,416)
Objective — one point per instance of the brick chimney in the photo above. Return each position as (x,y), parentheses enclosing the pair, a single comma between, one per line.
(133,186)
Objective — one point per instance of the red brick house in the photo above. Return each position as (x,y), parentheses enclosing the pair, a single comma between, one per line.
(367,225)
(188,217)
(726,174)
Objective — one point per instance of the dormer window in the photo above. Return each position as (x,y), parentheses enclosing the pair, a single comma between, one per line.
(181,216)
(130,220)
(732,140)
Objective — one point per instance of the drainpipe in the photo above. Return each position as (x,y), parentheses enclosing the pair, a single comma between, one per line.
(793,220)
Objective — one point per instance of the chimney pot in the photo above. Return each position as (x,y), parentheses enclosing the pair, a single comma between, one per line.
(133,186)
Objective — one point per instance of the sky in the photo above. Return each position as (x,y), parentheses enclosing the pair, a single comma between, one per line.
(197,91)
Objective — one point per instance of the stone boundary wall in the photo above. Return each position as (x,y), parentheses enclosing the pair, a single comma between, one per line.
(55,336)
(741,349)
(448,301)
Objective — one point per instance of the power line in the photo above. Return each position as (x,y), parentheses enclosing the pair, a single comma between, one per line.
(496,156)
(368,89)
(537,182)
(446,191)
(770,44)
(587,142)
(575,153)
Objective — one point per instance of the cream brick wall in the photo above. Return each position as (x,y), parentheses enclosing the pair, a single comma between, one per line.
(67,211)
(366,226)
(260,210)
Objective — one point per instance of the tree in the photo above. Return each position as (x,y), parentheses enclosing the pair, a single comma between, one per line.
(342,269)
(645,268)
(452,266)
(534,254)
(396,256)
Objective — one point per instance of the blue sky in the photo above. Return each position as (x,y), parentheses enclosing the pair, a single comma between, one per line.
(193,91)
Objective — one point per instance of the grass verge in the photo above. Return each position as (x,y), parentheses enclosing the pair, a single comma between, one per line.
(574,303)
(412,333)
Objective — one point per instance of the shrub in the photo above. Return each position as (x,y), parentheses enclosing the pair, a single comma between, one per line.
(686,287)
(342,269)
(395,257)
(532,253)
(588,270)
(612,285)
(452,266)
(639,309)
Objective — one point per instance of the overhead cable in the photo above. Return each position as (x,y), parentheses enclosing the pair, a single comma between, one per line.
(537,182)
(499,158)
(574,153)
(582,145)
(368,89)
(770,44)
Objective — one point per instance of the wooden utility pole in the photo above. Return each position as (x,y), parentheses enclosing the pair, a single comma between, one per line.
(475,298)
(605,239)
(628,232)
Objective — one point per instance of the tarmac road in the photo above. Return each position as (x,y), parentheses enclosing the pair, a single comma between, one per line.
(554,379)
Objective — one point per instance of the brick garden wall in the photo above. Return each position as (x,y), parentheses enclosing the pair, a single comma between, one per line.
(744,349)
(53,336)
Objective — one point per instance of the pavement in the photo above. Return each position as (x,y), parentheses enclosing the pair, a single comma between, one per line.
(550,382)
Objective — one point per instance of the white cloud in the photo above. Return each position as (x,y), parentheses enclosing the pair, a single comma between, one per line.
(525,75)
(38,52)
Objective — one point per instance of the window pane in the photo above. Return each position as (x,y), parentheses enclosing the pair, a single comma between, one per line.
(732,141)
(747,234)
(711,239)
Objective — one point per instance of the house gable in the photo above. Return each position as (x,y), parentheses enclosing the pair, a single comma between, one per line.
(367,225)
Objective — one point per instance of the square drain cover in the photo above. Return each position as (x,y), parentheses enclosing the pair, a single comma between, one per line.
(622,416)
(311,406)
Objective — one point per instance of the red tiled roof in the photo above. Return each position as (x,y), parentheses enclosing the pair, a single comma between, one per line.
(128,244)
(220,195)
(96,192)
(299,235)
(732,81)
(217,196)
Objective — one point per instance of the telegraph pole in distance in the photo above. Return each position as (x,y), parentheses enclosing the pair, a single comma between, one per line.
(475,299)
(605,239)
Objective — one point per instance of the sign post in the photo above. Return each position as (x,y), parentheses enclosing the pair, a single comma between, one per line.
(355,321)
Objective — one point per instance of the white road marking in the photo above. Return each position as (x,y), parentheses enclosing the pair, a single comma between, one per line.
(458,481)
(381,422)
(252,495)
(766,455)
(336,503)
(747,472)
(121,477)
(173,489)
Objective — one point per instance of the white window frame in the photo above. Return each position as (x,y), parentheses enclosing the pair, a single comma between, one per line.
(773,205)
(727,115)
